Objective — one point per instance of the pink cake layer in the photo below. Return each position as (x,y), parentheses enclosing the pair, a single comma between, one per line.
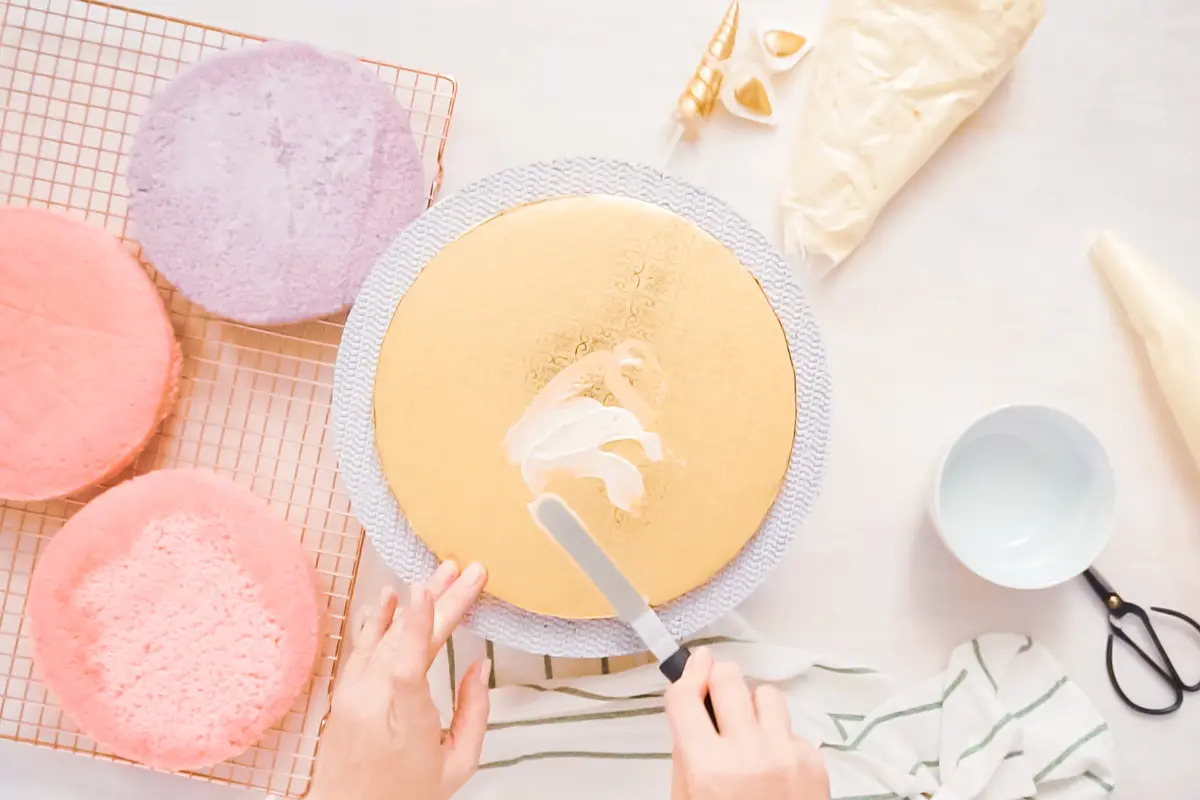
(88,360)
(176,619)
(266,182)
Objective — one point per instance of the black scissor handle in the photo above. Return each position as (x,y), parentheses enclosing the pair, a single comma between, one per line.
(672,668)
(1166,670)
(1194,687)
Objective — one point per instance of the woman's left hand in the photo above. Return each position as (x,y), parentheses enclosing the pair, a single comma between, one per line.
(384,738)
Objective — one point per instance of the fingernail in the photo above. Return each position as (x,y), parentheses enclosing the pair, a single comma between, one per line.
(474,574)
(450,565)
(485,673)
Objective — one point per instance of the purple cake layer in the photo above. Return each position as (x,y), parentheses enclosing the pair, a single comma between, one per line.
(265,182)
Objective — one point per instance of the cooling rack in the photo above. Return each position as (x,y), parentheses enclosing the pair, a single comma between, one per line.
(253,403)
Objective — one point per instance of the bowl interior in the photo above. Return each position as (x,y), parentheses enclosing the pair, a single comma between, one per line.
(1026,497)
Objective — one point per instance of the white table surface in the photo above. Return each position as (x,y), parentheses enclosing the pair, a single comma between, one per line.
(973,291)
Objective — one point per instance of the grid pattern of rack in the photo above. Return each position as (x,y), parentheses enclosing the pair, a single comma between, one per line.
(253,403)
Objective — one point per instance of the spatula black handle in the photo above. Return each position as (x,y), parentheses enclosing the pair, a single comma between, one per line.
(672,668)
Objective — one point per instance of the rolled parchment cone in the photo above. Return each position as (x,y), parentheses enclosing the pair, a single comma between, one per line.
(699,98)
(893,80)
(1168,322)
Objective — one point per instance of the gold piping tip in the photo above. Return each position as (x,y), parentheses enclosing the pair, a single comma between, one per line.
(700,97)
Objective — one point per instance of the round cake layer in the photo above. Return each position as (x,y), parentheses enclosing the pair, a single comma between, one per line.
(265,182)
(628,305)
(88,360)
(176,619)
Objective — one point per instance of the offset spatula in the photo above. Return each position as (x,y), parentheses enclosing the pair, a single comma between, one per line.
(631,608)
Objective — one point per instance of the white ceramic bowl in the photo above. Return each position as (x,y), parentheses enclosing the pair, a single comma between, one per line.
(1025,497)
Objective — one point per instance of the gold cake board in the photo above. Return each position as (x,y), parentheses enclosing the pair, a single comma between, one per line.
(372,498)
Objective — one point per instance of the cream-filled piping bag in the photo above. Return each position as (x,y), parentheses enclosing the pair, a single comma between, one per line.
(893,80)
(1168,322)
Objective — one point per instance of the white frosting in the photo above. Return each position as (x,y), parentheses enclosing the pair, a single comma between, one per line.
(1168,322)
(562,431)
(893,80)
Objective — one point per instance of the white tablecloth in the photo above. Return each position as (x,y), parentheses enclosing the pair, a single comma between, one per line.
(973,291)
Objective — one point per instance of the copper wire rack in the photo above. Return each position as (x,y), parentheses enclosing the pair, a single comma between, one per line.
(253,403)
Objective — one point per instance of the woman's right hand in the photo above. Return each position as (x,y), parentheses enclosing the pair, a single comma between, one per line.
(754,755)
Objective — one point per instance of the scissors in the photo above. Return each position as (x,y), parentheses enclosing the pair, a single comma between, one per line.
(1118,610)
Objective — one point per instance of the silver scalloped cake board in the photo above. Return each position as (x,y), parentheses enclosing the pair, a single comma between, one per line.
(358,357)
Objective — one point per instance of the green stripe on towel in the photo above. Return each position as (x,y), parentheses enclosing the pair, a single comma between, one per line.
(1053,690)
(987,672)
(508,762)
(568,718)
(1007,718)
(975,748)
(904,712)
(936,764)
(1087,737)
(1105,785)
(838,719)
(586,694)
(846,670)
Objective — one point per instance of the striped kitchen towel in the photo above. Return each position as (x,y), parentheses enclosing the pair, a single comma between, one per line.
(1002,722)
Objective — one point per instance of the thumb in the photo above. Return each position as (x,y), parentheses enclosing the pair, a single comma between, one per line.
(465,741)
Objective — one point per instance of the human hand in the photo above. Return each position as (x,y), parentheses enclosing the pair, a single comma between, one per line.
(383,738)
(754,755)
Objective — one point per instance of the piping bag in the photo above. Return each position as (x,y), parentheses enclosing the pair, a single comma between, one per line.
(894,78)
(1168,322)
